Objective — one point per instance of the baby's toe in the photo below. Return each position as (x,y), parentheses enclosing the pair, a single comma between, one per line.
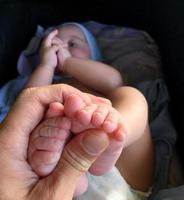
(99,115)
(110,123)
(73,104)
(55,109)
(43,162)
(48,144)
(85,114)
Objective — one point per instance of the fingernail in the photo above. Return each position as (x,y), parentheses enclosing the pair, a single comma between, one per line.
(95,143)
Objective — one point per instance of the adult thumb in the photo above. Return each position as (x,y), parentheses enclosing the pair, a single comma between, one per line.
(77,157)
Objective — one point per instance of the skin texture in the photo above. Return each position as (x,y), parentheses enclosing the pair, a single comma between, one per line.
(63,53)
(16,173)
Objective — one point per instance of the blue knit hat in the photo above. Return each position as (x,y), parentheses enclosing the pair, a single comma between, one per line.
(92,43)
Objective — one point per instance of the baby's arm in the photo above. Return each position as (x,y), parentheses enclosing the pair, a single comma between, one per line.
(96,75)
(44,72)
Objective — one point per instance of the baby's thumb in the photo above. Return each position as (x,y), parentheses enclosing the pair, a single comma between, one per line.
(63,54)
(78,156)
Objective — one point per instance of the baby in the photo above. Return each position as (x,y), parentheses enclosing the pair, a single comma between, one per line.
(72,52)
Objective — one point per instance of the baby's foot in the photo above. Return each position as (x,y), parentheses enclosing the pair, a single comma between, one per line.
(108,119)
(97,115)
(46,144)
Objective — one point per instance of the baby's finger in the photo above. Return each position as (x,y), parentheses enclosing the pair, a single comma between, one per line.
(84,115)
(62,45)
(47,42)
(56,47)
(57,41)
(99,115)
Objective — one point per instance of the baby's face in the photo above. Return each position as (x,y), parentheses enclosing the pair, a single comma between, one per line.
(76,41)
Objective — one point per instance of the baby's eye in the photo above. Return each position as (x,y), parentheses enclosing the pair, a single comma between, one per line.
(73,44)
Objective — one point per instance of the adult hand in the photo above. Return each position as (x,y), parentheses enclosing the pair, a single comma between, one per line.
(17,180)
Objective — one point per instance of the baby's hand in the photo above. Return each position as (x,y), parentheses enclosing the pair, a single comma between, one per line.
(48,51)
(62,54)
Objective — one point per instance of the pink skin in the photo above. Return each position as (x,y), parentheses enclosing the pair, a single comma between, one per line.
(47,142)
(95,115)
(72,44)
(48,139)
(75,40)
(98,115)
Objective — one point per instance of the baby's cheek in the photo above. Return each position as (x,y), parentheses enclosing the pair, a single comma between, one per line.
(78,53)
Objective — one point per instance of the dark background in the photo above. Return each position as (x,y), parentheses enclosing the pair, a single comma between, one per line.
(162,19)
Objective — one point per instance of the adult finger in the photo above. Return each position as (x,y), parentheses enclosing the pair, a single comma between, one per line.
(29,109)
(77,157)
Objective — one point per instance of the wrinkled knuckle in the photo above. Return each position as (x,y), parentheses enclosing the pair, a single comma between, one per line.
(45,131)
(76,160)
(106,101)
(27,92)
(109,102)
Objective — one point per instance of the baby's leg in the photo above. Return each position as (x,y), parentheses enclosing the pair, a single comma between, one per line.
(136,163)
